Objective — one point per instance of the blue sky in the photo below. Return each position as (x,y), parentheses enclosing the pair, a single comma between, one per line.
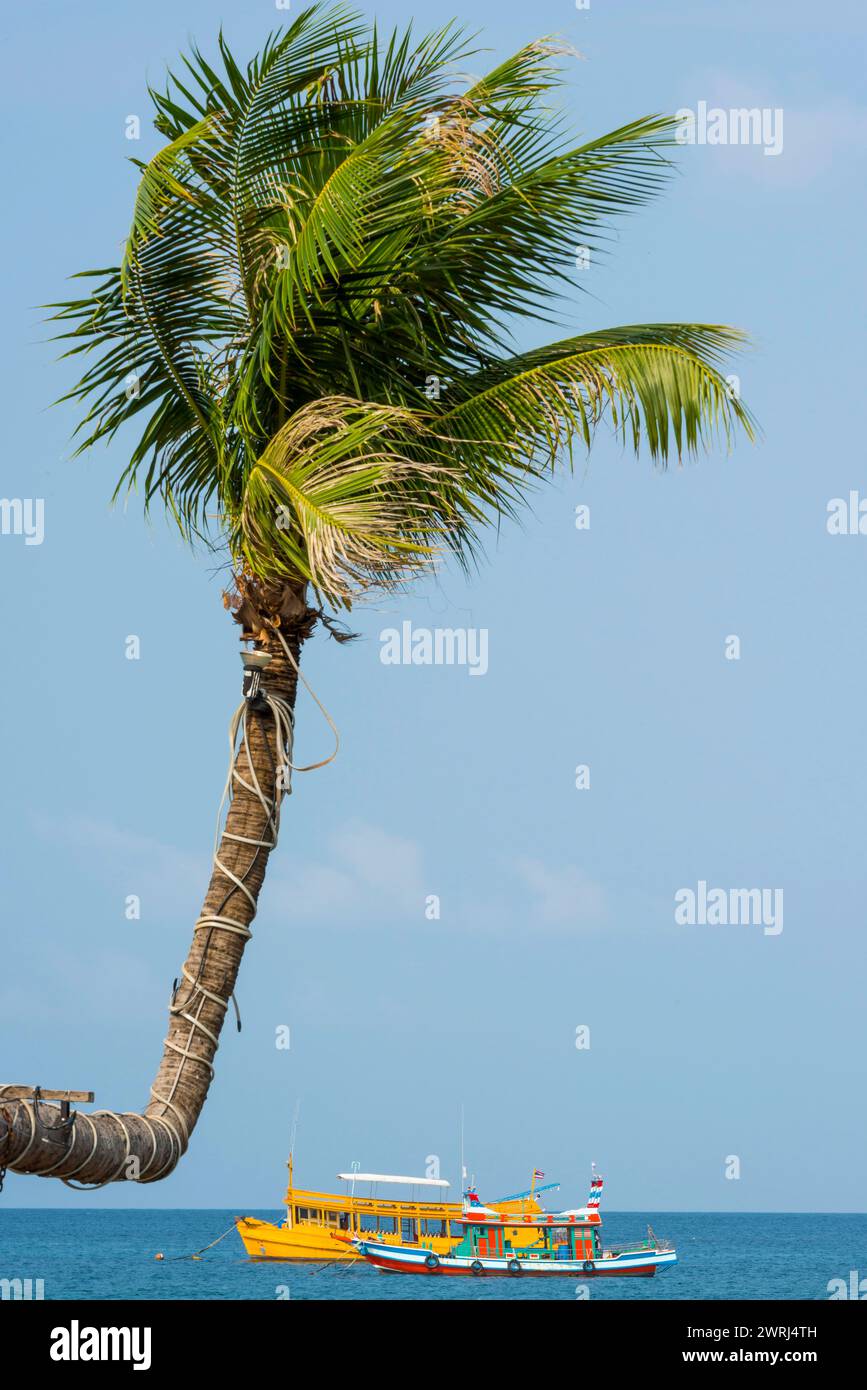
(606,648)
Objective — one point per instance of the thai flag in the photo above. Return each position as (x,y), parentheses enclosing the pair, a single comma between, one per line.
(596,1185)
(537,1174)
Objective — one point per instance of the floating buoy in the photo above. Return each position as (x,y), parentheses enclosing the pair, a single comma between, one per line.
(197,1254)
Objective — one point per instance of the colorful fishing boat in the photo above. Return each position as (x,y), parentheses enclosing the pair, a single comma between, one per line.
(539,1244)
(319,1225)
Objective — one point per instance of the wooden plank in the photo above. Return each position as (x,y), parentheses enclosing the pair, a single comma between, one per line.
(26,1093)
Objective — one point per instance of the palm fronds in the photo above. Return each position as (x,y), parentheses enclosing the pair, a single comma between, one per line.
(346,495)
(328,230)
(657,382)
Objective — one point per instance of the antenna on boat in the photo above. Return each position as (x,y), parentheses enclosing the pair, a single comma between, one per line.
(292,1137)
(463,1168)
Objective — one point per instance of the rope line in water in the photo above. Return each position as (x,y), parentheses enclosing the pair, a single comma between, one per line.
(194,1255)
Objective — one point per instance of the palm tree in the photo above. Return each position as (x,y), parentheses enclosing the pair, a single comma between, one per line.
(311,325)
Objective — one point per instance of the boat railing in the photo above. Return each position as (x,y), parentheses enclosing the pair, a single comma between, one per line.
(636,1246)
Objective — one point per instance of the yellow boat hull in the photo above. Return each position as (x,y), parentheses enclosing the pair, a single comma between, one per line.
(265,1241)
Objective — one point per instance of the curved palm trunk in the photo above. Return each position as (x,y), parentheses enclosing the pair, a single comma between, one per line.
(110,1147)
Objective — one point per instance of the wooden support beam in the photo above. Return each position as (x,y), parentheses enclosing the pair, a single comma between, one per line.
(27,1093)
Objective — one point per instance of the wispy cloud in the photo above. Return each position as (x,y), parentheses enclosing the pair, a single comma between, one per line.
(562,897)
(369,872)
(814,136)
(374,875)
(167,879)
(818,137)
(367,875)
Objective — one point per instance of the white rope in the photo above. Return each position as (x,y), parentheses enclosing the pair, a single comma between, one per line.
(172,1159)
(284,728)
(284,732)
(311,767)
(80,1115)
(31,1115)
(113,1115)
(283,740)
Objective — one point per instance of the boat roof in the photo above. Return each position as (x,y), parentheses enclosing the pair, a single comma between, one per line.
(485,1216)
(393,1178)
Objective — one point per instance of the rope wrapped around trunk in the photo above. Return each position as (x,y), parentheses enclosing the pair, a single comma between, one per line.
(172,1122)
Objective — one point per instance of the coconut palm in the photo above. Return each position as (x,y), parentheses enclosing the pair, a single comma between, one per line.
(312,326)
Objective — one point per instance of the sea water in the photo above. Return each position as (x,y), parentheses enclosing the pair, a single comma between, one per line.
(91,1253)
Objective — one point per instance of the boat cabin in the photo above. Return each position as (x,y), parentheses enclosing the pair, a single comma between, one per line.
(564,1235)
(362,1208)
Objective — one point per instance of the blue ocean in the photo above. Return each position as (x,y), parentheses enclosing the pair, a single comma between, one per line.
(90,1253)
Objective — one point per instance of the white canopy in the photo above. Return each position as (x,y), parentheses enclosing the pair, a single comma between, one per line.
(389,1177)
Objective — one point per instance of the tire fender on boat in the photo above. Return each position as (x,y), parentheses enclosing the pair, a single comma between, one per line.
(588,1266)
(477,1267)
(514,1267)
(432,1261)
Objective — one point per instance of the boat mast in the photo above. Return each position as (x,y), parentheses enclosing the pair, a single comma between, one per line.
(292,1137)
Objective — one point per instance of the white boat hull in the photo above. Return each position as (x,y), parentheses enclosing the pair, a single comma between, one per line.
(638,1263)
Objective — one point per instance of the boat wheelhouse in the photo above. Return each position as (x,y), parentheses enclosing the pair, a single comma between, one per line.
(320,1225)
(495,1243)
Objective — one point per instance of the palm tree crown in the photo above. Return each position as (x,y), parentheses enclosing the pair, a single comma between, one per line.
(312,315)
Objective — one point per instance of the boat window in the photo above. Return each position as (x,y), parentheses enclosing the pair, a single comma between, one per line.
(309,1214)
(367,1221)
(409,1230)
(434,1228)
(455,1228)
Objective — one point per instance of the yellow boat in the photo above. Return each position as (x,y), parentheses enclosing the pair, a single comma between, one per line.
(319,1224)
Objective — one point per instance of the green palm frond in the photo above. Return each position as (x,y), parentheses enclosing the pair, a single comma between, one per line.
(658,383)
(165,181)
(329,229)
